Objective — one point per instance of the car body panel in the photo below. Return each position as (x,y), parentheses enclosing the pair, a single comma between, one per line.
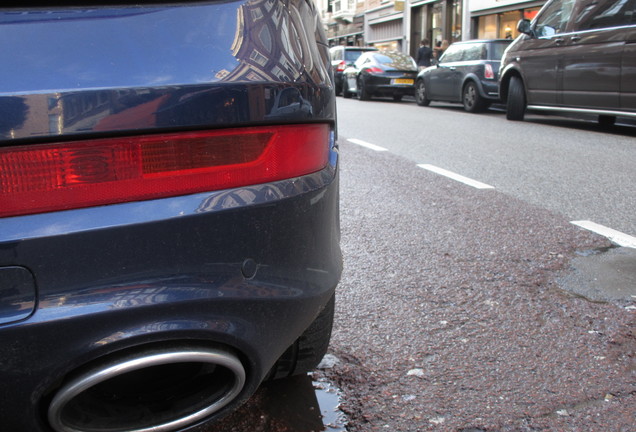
(247,268)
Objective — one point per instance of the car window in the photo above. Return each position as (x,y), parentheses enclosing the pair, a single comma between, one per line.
(352,55)
(395,60)
(598,14)
(554,19)
(474,52)
(497,50)
(452,54)
(336,54)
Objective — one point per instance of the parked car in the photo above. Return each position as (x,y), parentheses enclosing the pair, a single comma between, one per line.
(577,56)
(341,58)
(169,232)
(466,73)
(386,73)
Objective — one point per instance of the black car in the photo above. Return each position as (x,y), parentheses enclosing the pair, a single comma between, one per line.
(341,58)
(169,233)
(385,73)
(466,73)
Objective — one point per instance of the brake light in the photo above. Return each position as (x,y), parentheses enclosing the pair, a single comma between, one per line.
(66,175)
(374,70)
(341,66)
(488,72)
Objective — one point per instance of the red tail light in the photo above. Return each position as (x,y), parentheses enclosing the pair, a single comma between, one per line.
(488,72)
(374,70)
(341,66)
(50,177)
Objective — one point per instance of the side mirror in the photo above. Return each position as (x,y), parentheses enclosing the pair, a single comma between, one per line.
(523,26)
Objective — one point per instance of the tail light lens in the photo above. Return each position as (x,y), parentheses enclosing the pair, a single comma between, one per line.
(66,175)
(374,70)
(341,66)
(488,72)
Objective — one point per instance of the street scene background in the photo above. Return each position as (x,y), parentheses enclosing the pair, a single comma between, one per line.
(473,309)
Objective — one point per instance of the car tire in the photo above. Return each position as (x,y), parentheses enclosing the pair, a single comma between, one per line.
(363,93)
(472,100)
(420,94)
(339,89)
(516,103)
(345,90)
(309,349)
(397,97)
(606,120)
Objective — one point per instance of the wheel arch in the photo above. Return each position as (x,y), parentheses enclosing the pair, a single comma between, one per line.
(504,82)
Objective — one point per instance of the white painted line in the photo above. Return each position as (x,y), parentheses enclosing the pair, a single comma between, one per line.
(614,236)
(457,177)
(367,145)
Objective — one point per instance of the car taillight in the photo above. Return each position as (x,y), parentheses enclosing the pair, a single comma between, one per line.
(50,177)
(341,66)
(488,72)
(374,70)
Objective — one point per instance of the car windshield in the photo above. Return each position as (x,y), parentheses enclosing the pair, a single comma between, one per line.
(395,60)
(352,55)
(497,50)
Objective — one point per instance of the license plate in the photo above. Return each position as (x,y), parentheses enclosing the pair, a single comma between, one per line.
(402,81)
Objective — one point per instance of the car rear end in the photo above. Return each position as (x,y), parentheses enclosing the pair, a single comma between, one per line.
(491,65)
(167,232)
(393,74)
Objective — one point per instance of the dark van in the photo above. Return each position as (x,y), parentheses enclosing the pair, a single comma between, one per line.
(576,56)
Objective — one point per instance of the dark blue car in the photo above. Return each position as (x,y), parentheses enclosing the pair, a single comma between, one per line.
(169,232)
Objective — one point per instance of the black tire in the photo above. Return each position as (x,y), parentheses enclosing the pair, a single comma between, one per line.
(420,94)
(363,93)
(309,349)
(516,103)
(606,120)
(473,102)
(345,89)
(397,97)
(339,89)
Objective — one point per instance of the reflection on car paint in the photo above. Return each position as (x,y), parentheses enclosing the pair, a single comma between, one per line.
(275,49)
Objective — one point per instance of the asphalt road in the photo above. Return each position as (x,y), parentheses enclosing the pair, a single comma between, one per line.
(569,166)
(456,310)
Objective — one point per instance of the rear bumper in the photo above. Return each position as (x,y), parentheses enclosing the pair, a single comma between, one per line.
(246,269)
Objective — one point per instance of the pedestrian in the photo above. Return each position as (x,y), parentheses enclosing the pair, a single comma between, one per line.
(440,48)
(424,55)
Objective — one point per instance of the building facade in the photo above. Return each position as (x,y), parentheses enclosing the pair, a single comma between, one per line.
(401,24)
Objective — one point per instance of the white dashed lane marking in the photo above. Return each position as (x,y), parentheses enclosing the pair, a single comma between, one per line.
(456,177)
(367,145)
(614,236)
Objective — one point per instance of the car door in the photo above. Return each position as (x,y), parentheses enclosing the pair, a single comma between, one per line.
(540,57)
(443,79)
(592,53)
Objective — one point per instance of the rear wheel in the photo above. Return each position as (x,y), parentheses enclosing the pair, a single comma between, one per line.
(363,93)
(473,102)
(420,94)
(345,89)
(606,120)
(516,104)
(305,354)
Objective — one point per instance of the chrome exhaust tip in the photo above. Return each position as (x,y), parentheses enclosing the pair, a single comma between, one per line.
(155,390)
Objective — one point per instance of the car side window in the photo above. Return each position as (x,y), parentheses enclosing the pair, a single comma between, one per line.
(554,19)
(452,54)
(598,14)
(474,52)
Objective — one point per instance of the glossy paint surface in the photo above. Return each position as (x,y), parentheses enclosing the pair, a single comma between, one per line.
(247,268)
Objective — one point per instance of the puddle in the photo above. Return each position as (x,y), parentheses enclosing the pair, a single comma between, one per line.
(329,402)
